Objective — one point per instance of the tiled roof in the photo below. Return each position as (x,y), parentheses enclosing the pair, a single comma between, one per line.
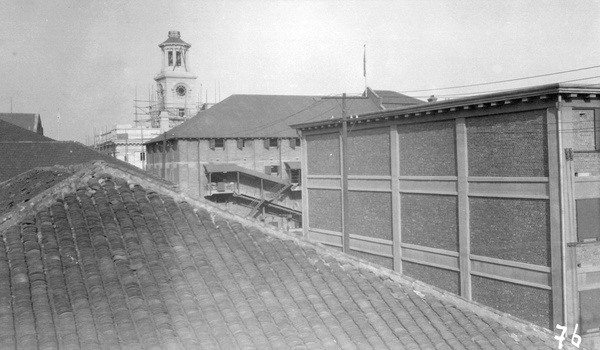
(112,264)
(240,116)
(26,121)
(24,187)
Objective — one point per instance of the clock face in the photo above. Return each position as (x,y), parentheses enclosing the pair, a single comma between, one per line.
(181,90)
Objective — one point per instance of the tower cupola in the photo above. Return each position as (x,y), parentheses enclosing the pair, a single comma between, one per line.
(175,52)
(175,83)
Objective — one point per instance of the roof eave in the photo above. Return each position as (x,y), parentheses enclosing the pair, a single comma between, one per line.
(451,105)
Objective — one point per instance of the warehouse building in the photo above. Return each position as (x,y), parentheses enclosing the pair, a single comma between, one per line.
(243,154)
(493,197)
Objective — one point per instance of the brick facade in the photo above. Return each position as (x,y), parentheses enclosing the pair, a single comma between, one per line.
(484,196)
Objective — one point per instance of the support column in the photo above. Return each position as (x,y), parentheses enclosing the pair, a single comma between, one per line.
(462,172)
(304,182)
(344,168)
(396,204)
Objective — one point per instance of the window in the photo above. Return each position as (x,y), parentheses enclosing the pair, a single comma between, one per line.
(142,156)
(272,170)
(295,142)
(181,112)
(216,143)
(170,54)
(241,143)
(295,176)
(271,142)
(178,59)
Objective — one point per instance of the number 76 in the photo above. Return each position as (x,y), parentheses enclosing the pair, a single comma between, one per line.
(561,338)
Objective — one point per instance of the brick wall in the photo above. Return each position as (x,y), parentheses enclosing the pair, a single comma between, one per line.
(508,144)
(428,149)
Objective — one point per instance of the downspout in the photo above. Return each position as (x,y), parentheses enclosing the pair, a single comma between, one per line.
(563,231)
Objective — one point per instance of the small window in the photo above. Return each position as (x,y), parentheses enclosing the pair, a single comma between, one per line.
(240,143)
(142,156)
(217,143)
(181,112)
(295,176)
(295,142)
(248,143)
(178,59)
(170,54)
(272,170)
(271,142)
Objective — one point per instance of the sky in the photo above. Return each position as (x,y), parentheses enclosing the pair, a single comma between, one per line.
(87,61)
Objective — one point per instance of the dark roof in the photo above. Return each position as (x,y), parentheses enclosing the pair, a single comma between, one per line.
(45,154)
(258,116)
(28,121)
(174,39)
(233,168)
(112,264)
(13,132)
(22,150)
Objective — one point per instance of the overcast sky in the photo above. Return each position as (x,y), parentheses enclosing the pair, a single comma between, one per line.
(87,59)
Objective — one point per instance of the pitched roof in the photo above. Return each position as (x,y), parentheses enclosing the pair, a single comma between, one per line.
(35,154)
(392,99)
(22,150)
(28,121)
(174,39)
(13,132)
(258,116)
(19,190)
(116,264)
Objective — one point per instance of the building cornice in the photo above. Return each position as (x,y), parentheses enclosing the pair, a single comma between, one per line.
(526,95)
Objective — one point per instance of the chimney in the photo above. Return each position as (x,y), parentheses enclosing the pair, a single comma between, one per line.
(432,98)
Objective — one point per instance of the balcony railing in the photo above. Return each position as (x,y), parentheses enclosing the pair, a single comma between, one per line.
(220,188)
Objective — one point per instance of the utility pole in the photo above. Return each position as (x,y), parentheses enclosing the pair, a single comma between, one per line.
(345,233)
(163,171)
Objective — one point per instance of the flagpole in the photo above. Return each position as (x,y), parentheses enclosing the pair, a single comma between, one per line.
(365,64)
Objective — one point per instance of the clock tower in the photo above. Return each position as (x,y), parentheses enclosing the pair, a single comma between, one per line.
(177,98)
